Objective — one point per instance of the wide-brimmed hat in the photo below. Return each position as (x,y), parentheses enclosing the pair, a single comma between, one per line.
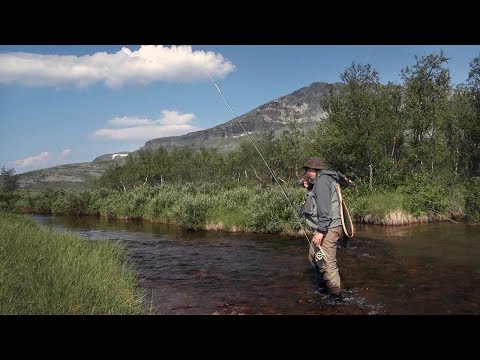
(314,163)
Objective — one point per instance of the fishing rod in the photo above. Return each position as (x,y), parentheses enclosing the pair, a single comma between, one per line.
(268,167)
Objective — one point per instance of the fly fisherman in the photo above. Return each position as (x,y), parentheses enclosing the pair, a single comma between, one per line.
(322,214)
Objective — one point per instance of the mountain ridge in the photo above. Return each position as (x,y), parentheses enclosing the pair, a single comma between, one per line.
(302,104)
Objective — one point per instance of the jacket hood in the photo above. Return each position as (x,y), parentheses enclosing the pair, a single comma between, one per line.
(331,173)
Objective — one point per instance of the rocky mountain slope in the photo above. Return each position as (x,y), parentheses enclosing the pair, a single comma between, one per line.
(302,105)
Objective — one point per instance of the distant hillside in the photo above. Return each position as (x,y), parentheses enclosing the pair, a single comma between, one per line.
(303,105)
(70,176)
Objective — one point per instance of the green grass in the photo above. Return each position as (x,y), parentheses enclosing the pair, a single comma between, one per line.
(378,204)
(410,203)
(44,272)
(251,207)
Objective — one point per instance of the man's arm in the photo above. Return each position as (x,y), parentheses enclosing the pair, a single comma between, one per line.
(323,196)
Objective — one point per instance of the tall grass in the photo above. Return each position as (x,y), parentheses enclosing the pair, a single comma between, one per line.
(255,207)
(382,208)
(413,202)
(44,272)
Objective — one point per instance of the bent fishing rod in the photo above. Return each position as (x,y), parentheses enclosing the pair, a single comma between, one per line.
(297,217)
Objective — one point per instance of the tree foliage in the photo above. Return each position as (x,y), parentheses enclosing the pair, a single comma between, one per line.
(363,134)
(9,180)
(472,120)
(426,111)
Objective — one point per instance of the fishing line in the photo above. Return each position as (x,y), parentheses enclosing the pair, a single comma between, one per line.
(266,164)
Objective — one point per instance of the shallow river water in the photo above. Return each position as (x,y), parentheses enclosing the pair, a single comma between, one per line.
(414,269)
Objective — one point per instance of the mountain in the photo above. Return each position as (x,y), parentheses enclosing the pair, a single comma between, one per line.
(69,176)
(302,105)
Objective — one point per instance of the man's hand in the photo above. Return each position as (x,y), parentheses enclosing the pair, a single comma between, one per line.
(317,238)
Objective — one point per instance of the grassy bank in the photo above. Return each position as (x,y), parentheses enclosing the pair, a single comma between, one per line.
(397,208)
(197,207)
(415,202)
(43,272)
(252,208)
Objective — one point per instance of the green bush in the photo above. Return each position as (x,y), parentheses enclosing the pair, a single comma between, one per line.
(425,196)
(191,212)
(7,201)
(163,200)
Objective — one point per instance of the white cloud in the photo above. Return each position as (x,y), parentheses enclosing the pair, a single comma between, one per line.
(172,123)
(144,132)
(129,121)
(43,160)
(174,118)
(65,153)
(147,64)
(33,161)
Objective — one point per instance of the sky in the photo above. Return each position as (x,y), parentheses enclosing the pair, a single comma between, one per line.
(67,104)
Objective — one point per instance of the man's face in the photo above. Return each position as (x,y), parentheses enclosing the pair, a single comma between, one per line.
(311,173)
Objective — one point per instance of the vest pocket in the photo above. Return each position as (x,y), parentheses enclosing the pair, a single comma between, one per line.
(309,207)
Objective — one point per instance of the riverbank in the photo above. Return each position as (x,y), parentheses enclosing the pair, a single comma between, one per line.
(49,273)
(241,208)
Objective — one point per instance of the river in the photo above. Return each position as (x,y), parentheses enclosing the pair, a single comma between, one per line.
(430,269)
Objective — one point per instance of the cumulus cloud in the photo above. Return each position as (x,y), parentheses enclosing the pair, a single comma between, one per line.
(43,160)
(129,121)
(172,123)
(147,64)
(33,161)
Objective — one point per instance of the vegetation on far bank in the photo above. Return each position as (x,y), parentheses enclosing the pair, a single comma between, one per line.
(49,273)
(251,207)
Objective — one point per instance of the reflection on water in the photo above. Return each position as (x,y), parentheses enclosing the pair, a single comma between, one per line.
(416,269)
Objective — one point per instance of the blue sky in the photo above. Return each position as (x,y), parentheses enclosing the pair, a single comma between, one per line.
(72,103)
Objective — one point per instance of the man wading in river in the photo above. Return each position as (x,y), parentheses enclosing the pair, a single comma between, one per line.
(322,214)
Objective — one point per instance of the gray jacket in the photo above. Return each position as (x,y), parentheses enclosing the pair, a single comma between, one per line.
(321,207)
